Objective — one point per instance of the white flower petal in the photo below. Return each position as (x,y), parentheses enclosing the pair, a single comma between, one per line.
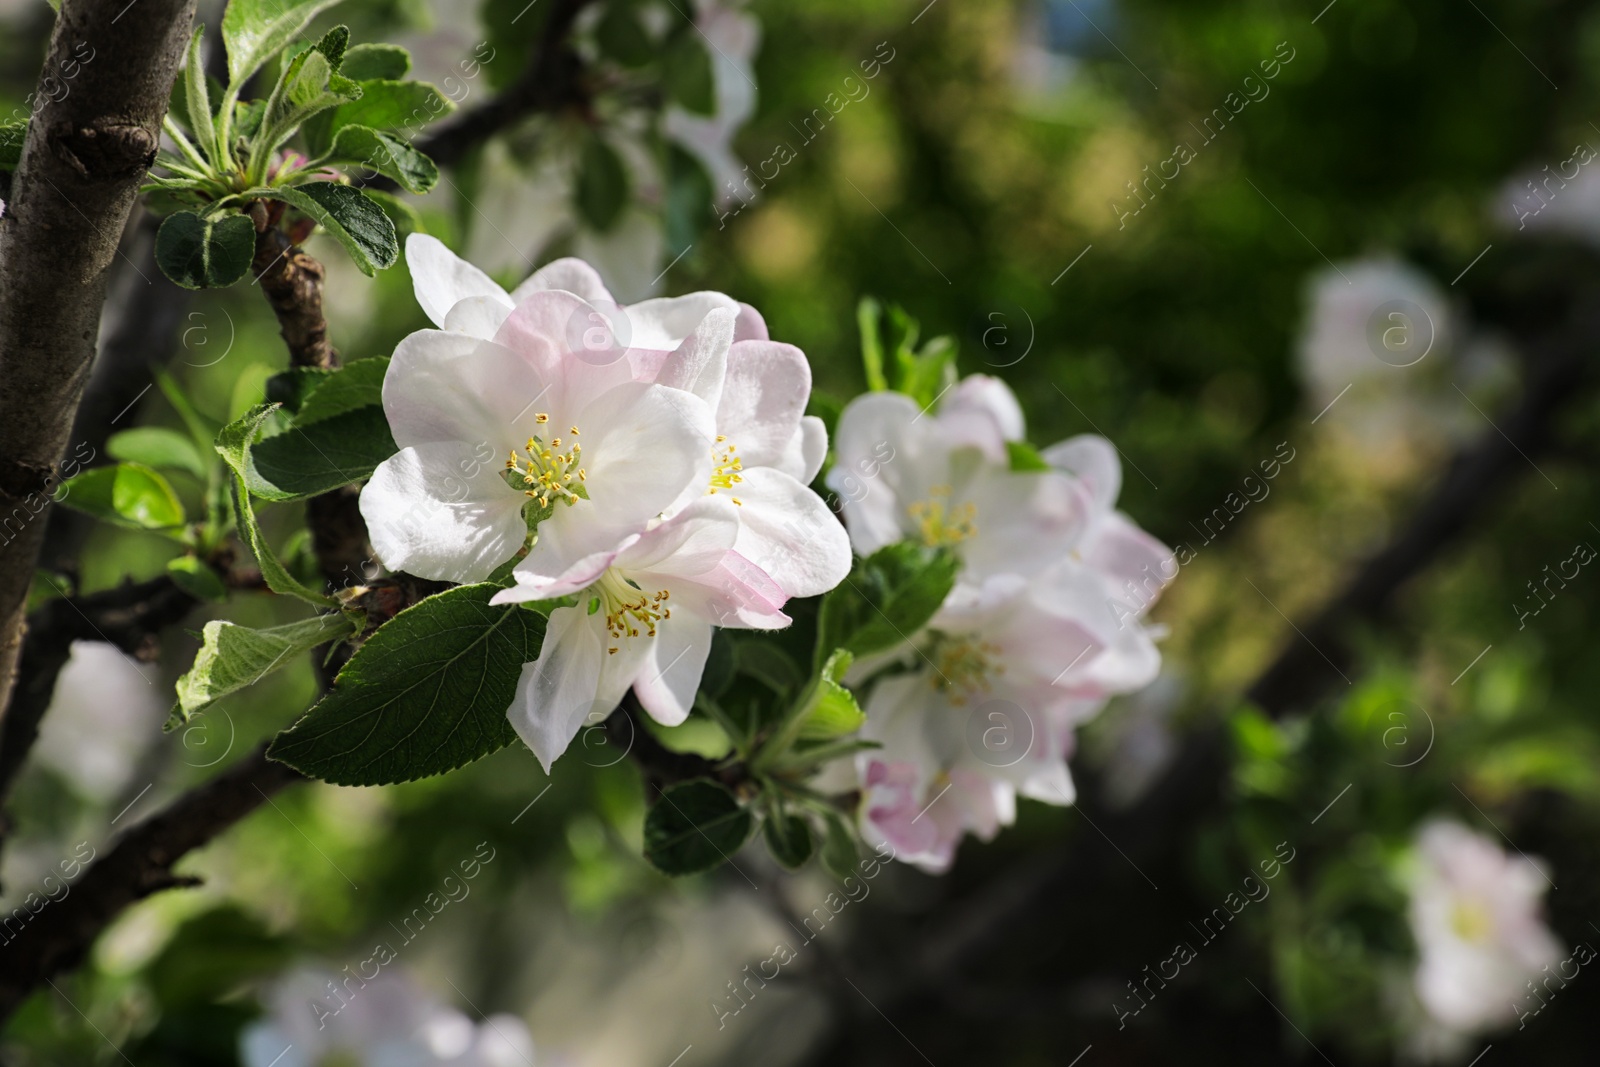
(699,364)
(670,674)
(877,448)
(574,682)
(570,275)
(477,316)
(416,528)
(813,448)
(453,387)
(1093,460)
(664,322)
(749,326)
(763,398)
(787,531)
(1026,521)
(441,279)
(687,545)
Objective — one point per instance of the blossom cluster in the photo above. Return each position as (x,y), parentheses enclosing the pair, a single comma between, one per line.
(1044,624)
(655,480)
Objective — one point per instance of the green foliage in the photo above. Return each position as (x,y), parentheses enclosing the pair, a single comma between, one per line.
(1024,457)
(351,217)
(425,694)
(365,62)
(886,598)
(602,186)
(387,154)
(839,848)
(157,446)
(789,839)
(232,657)
(125,494)
(695,826)
(201,252)
(687,75)
(922,374)
(308,459)
(198,580)
(253,31)
(197,98)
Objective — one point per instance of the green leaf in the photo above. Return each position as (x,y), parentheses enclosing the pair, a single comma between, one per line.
(869,313)
(839,849)
(197,97)
(386,154)
(425,694)
(12,136)
(202,429)
(233,445)
(1024,457)
(695,826)
(256,30)
(354,219)
(621,37)
(310,84)
(198,252)
(886,598)
(789,839)
(687,75)
(331,447)
(365,62)
(198,580)
(127,494)
(234,657)
(406,218)
(157,446)
(602,186)
(385,104)
(833,713)
(306,460)
(355,385)
(925,375)
(291,387)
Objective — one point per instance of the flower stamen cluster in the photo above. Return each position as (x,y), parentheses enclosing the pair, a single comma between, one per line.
(941,525)
(546,471)
(628,607)
(726,468)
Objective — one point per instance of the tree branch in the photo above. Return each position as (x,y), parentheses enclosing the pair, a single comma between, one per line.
(139,864)
(85,154)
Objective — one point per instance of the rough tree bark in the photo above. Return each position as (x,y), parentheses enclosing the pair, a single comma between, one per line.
(105,83)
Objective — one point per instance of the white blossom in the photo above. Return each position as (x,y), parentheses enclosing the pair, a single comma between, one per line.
(643,618)
(1475,914)
(104,715)
(317,1018)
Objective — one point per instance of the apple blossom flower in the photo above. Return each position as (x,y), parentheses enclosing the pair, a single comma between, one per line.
(766,450)
(734,36)
(643,618)
(996,685)
(948,485)
(316,1017)
(488,428)
(1475,914)
(104,715)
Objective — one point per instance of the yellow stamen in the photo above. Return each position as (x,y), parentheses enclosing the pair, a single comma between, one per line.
(939,523)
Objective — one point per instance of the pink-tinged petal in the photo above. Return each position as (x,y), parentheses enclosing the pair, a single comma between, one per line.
(691,543)
(700,363)
(1093,460)
(1051,783)
(788,532)
(441,279)
(417,528)
(878,450)
(1126,554)
(736,594)
(670,674)
(569,275)
(575,682)
(477,316)
(578,568)
(813,449)
(749,326)
(453,387)
(763,398)
(664,322)
(546,330)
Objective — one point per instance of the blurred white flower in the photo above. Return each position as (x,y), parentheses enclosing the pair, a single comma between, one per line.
(104,716)
(318,1018)
(1475,914)
(1562,199)
(733,36)
(1042,627)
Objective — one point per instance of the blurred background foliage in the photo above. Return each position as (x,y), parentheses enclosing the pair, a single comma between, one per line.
(978,184)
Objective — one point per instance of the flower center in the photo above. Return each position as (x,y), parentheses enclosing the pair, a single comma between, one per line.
(964,666)
(544,472)
(725,468)
(940,524)
(628,607)
(1471,921)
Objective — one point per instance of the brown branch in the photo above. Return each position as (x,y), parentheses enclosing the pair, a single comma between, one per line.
(292,283)
(128,616)
(106,83)
(139,864)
